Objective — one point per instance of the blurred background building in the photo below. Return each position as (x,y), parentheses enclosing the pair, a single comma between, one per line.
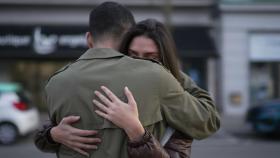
(249,42)
(229,47)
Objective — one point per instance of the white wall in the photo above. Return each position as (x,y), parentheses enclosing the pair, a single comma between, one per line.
(236,28)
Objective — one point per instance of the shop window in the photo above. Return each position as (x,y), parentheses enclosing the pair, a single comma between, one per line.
(264,81)
(196,69)
(33,76)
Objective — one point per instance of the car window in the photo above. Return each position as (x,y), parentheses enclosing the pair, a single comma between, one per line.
(24,98)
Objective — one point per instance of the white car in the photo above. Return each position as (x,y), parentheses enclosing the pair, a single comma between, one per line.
(17,115)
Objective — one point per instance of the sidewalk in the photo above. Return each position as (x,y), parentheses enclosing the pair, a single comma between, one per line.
(235,124)
(233,129)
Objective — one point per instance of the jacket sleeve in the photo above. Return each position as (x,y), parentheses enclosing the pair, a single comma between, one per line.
(205,102)
(192,114)
(43,140)
(147,147)
(178,146)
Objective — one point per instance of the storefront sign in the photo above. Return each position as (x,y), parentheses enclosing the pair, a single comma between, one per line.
(265,47)
(42,41)
(14,40)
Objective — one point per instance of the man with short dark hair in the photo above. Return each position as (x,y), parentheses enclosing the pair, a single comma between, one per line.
(108,23)
(159,96)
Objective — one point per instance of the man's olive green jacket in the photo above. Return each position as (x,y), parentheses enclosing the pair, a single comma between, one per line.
(160,98)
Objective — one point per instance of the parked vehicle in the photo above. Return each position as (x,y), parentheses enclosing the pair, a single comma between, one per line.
(18,116)
(265,117)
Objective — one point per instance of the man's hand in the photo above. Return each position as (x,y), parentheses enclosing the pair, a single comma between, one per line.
(74,138)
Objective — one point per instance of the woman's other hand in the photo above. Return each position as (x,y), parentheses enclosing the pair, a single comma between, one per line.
(74,138)
(123,115)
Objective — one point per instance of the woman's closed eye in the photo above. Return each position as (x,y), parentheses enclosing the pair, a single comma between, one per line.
(133,53)
(153,56)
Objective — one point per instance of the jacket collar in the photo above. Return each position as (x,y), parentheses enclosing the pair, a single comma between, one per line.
(100,53)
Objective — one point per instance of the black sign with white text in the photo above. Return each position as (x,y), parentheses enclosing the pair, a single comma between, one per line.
(42,42)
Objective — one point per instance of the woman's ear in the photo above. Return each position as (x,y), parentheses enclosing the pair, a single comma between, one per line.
(89,40)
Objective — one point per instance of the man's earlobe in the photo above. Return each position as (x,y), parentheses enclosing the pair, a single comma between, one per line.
(89,40)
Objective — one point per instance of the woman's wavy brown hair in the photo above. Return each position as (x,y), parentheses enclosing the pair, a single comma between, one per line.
(156,31)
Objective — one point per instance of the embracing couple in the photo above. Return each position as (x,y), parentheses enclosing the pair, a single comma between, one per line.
(122,95)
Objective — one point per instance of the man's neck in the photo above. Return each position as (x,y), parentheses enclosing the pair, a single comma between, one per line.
(106,44)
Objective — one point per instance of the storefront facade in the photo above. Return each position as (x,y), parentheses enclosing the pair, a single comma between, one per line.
(250,54)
